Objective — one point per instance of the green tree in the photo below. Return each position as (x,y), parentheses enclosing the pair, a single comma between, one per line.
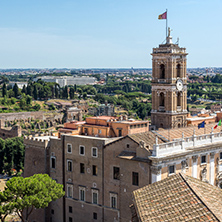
(29,89)
(4,79)
(84,95)
(4,90)
(28,99)
(35,92)
(24,90)
(22,195)
(71,93)
(36,107)
(65,93)
(19,153)
(2,150)
(16,90)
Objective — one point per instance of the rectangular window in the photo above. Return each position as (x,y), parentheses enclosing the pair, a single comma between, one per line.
(82,150)
(203,159)
(82,168)
(53,162)
(82,191)
(70,219)
(52,211)
(94,152)
(116,173)
(135,178)
(99,131)
(220,155)
(69,148)
(113,200)
(131,126)
(171,169)
(69,165)
(70,209)
(94,169)
(120,132)
(69,190)
(94,216)
(95,196)
(145,124)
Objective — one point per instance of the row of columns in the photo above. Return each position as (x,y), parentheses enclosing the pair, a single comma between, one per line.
(172,104)
(170,69)
(156,170)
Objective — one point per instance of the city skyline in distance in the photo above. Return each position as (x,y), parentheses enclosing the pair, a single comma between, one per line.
(105,34)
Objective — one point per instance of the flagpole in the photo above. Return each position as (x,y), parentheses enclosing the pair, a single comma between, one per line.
(166,24)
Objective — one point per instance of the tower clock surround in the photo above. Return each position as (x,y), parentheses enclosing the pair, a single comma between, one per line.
(169,86)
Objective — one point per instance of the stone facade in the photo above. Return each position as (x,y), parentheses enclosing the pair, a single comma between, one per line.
(197,156)
(9,132)
(89,174)
(169,86)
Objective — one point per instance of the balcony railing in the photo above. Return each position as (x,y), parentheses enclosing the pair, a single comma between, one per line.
(162,80)
(161,109)
(179,109)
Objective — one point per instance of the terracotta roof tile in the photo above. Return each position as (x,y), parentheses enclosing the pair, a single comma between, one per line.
(188,131)
(148,137)
(178,198)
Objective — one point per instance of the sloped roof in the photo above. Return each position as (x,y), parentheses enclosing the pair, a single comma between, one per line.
(178,198)
(188,131)
(148,137)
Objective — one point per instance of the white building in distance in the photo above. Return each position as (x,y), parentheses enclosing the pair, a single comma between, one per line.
(68,80)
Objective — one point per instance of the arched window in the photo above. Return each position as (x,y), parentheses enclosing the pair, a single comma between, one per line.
(162,71)
(178,70)
(161,99)
(179,99)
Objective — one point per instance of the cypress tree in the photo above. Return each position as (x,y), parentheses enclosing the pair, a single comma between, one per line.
(16,90)
(4,90)
(35,92)
(24,89)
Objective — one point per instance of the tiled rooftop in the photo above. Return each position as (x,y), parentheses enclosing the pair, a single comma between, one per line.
(178,198)
(188,131)
(148,137)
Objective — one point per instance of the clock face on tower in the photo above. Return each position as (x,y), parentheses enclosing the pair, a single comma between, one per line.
(179,84)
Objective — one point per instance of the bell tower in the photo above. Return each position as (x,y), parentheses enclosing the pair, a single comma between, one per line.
(169,85)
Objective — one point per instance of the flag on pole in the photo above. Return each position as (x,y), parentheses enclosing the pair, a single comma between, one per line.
(218,124)
(163,16)
(201,125)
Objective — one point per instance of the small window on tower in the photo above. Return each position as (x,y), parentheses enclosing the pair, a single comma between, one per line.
(178,70)
(162,71)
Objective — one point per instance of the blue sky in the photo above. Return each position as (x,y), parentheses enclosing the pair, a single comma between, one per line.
(105,33)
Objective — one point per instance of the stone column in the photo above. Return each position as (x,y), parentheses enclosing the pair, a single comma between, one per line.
(155,173)
(212,168)
(194,167)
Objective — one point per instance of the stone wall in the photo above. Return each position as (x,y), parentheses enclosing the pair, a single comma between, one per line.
(35,162)
(41,115)
(9,132)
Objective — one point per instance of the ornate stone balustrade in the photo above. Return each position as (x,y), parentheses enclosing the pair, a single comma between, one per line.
(184,144)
